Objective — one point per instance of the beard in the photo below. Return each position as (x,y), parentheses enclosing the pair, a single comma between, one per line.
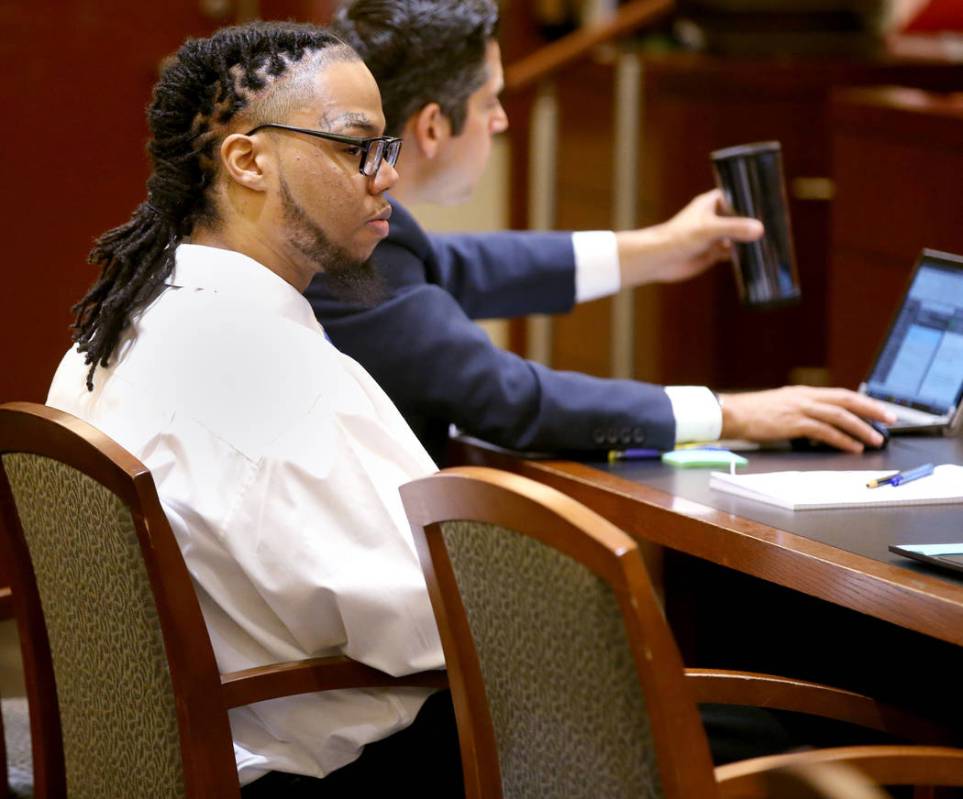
(345,276)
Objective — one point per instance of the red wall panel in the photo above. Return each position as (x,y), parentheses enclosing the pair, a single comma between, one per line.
(75,79)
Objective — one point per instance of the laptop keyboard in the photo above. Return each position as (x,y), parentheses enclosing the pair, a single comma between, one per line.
(913,416)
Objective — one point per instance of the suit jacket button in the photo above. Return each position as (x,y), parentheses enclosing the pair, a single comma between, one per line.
(598,435)
(625,435)
(638,435)
(613,436)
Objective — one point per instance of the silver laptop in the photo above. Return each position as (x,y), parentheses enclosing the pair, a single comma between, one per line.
(918,372)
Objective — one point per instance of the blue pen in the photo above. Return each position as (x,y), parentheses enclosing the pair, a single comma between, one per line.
(912,474)
(633,454)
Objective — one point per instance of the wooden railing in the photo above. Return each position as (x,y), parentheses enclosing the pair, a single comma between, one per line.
(559,55)
(539,69)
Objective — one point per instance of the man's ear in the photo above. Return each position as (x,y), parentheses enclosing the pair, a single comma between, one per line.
(429,130)
(243,160)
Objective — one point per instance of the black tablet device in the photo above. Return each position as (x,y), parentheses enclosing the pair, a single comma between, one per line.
(949,556)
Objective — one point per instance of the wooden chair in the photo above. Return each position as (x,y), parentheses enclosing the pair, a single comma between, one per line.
(822,781)
(125,696)
(565,677)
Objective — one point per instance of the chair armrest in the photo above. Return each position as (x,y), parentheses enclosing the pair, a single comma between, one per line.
(315,674)
(884,765)
(827,781)
(6,604)
(782,693)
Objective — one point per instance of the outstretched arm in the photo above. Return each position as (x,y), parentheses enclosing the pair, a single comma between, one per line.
(436,364)
(688,244)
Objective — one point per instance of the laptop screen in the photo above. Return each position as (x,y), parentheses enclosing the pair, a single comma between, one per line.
(921,363)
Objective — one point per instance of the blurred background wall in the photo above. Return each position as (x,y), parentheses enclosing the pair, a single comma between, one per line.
(75,78)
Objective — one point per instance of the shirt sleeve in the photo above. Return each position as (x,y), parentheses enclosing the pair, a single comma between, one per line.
(596,264)
(698,416)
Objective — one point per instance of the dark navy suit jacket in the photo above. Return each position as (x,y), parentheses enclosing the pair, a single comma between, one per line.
(439,367)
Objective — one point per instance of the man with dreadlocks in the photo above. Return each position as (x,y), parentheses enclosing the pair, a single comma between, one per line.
(277,458)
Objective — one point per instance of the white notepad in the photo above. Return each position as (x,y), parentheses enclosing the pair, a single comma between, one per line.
(817,490)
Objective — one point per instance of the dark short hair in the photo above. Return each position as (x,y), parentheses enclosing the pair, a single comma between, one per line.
(421,51)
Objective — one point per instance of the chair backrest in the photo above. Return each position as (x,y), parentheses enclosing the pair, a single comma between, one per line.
(124,691)
(565,677)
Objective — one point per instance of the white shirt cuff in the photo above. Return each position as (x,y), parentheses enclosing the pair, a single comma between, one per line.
(698,416)
(596,264)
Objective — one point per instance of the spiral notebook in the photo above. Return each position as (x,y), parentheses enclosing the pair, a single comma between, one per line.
(842,489)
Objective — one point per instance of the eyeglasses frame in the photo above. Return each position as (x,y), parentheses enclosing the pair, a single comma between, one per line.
(363,143)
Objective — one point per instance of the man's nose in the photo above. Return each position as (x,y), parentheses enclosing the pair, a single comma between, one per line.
(500,121)
(384,179)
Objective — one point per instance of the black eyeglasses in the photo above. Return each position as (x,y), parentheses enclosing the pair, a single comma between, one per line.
(373,150)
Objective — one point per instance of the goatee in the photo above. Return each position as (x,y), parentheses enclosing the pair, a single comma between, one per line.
(347,278)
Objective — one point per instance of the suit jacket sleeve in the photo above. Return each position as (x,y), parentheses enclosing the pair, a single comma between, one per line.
(497,275)
(438,366)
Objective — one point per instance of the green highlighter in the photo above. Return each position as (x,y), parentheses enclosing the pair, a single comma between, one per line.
(703,458)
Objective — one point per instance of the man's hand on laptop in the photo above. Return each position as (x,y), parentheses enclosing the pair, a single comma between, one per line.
(834,416)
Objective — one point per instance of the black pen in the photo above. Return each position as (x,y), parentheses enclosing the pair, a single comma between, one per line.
(902,477)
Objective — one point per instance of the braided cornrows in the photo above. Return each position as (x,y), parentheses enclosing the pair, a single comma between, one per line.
(207,83)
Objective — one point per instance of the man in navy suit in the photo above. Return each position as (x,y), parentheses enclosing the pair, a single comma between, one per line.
(439,69)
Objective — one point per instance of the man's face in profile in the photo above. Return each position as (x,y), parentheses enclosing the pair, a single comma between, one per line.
(466,155)
(332,216)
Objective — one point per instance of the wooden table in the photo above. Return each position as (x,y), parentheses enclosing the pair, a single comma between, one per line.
(899,614)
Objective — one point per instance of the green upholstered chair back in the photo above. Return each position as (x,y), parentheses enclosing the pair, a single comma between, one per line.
(565,678)
(124,692)
(568,715)
(117,706)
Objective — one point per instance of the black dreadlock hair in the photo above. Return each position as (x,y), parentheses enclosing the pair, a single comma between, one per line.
(206,84)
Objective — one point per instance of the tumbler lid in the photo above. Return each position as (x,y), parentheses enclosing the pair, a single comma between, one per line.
(746,150)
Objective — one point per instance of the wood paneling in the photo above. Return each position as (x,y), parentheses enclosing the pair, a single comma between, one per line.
(580,340)
(696,104)
(898,158)
(75,78)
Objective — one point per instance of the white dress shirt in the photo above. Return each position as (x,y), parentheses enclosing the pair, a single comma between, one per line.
(277,460)
(698,416)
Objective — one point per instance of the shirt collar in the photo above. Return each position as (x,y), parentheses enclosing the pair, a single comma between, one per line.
(236,275)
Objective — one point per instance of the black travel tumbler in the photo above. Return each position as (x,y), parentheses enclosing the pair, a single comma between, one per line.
(750,177)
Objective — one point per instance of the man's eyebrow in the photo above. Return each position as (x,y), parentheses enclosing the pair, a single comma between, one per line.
(350,119)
